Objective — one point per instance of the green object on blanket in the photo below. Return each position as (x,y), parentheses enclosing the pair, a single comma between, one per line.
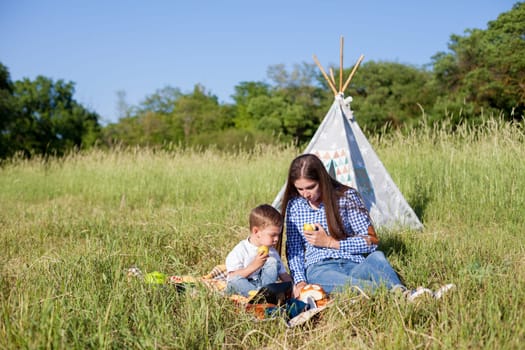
(155,277)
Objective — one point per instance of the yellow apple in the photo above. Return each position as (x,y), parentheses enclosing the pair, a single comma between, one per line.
(263,250)
(308,227)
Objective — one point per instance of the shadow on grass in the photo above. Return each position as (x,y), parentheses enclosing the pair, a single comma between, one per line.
(419,199)
(392,244)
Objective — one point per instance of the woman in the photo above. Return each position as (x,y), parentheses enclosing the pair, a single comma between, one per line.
(340,250)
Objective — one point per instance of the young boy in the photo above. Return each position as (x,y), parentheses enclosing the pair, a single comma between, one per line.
(254,262)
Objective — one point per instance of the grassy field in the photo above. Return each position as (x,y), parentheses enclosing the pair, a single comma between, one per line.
(70,228)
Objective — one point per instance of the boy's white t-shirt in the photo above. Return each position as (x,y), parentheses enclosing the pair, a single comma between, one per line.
(244,253)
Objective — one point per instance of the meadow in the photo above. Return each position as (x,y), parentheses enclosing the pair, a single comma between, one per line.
(71,227)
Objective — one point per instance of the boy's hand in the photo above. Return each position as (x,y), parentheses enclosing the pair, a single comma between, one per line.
(260,260)
(257,263)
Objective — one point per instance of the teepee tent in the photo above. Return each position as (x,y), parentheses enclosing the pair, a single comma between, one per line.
(349,157)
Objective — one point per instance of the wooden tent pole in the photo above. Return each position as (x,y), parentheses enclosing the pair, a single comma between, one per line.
(353,72)
(341,64)
(332,75)
(325,76)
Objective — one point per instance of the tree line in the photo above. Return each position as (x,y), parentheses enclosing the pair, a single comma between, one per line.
(481,74)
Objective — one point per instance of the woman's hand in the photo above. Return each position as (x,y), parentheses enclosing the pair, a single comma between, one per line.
(297,289)
(319,238)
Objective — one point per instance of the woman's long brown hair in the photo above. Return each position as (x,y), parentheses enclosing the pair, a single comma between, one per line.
(310,167)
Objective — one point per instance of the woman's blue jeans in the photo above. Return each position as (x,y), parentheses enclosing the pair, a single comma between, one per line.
(334,274)
(267,274)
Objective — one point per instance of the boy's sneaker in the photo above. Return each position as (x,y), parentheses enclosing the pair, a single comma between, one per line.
(413,295)
(443,290)
(311,304)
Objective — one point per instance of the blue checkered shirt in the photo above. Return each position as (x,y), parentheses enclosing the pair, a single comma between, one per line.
(301,254)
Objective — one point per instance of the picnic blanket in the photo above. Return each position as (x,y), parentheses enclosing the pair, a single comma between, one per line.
(293,311)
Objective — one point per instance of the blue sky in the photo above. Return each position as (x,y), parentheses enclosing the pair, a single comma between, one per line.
(141,46)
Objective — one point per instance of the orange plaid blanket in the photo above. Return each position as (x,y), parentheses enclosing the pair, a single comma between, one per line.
(216,280)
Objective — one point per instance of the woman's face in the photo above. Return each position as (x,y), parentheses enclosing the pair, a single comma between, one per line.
(308,189)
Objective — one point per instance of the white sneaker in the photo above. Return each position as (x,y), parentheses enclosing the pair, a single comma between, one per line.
(413,295)
(310,301)
(443,290)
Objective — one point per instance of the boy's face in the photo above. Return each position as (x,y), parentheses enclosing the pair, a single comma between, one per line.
(268,236)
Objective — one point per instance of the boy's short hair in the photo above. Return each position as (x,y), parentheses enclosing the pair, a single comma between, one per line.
(265,215)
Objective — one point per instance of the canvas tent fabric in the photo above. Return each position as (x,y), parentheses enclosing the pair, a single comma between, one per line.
(349,157)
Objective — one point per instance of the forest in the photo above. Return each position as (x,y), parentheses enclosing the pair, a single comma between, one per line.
(480,75)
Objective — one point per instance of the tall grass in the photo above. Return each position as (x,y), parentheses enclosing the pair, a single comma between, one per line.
(70,227)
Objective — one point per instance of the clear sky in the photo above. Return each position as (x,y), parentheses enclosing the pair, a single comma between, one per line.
(140,46)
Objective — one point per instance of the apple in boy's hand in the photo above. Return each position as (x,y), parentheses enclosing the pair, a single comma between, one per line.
(309,227)
(263,250)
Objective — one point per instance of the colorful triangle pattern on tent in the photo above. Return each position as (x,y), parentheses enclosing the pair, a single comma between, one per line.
(339,160)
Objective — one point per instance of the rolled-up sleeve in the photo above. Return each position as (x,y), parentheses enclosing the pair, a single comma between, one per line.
(356,245)
(356,220)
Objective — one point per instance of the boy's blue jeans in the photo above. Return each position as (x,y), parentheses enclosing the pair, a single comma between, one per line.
(267,274)
(334,274)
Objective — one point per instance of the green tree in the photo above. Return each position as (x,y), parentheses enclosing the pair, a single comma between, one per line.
(7,112)
(48,119)
(288,108)
(304,96)
(199,112)
(163,101)
(389,92)
(149,123)
(301,75)
(127,131)
(485,69)
(306,107)
(157,117)
(244,93)
(168,116)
